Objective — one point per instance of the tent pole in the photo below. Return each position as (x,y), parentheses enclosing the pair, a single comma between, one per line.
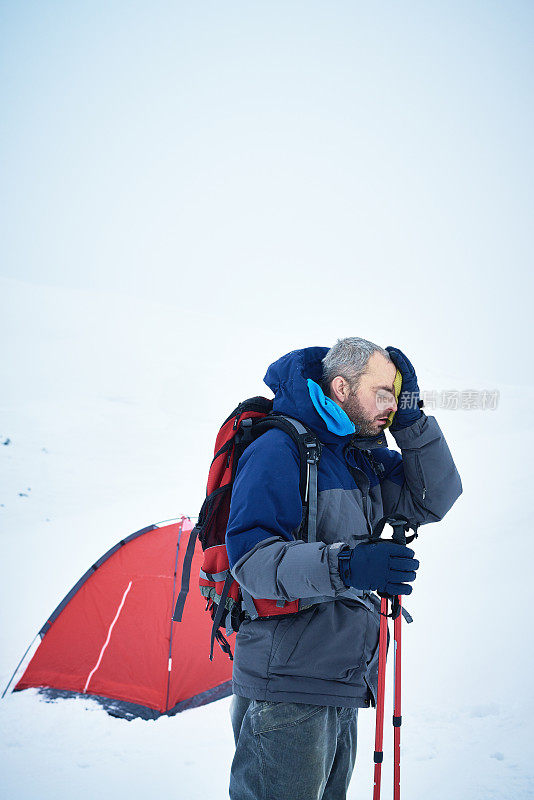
(18,665)
(169,662)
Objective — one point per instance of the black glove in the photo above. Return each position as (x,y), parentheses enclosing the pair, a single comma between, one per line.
(409,403)
(382,565)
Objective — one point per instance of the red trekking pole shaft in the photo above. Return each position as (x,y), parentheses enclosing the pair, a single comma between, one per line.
(379,734)
(400,526)
(397,719)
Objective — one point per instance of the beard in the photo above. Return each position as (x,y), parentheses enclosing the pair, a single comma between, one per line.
(365,425)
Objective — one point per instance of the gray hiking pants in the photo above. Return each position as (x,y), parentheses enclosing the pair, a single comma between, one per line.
(291,751)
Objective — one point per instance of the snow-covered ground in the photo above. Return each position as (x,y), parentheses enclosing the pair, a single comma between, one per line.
(110,407)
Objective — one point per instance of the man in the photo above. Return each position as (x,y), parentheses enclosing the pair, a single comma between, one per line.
(299,679)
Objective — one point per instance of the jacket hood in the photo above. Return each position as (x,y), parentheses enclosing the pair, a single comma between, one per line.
(287,379)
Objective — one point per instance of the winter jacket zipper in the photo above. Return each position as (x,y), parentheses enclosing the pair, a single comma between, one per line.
(421,474)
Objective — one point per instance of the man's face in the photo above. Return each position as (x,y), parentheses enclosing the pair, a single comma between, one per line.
(373,400)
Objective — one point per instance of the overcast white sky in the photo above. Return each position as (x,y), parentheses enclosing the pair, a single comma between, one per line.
(322,168)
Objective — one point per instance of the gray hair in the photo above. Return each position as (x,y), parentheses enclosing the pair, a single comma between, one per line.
(348,358)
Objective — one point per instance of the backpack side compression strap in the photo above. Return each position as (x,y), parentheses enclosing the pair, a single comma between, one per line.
(186,572)
(221,607)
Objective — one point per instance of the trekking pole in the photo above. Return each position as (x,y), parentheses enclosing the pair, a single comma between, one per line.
(399,536)
(397,719)
(379,733)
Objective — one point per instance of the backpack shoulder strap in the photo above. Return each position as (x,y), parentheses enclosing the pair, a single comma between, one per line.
(309,448)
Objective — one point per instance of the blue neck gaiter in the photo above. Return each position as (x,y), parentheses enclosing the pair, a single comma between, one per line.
(335,418)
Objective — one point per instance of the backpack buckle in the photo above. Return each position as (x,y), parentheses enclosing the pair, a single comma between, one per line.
(313,450)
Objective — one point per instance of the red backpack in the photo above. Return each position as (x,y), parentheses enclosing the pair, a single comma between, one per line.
(227,601)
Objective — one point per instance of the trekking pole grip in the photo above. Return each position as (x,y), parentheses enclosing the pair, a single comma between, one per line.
(400,527)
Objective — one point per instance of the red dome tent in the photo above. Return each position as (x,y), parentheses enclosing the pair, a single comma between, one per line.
(112,637)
